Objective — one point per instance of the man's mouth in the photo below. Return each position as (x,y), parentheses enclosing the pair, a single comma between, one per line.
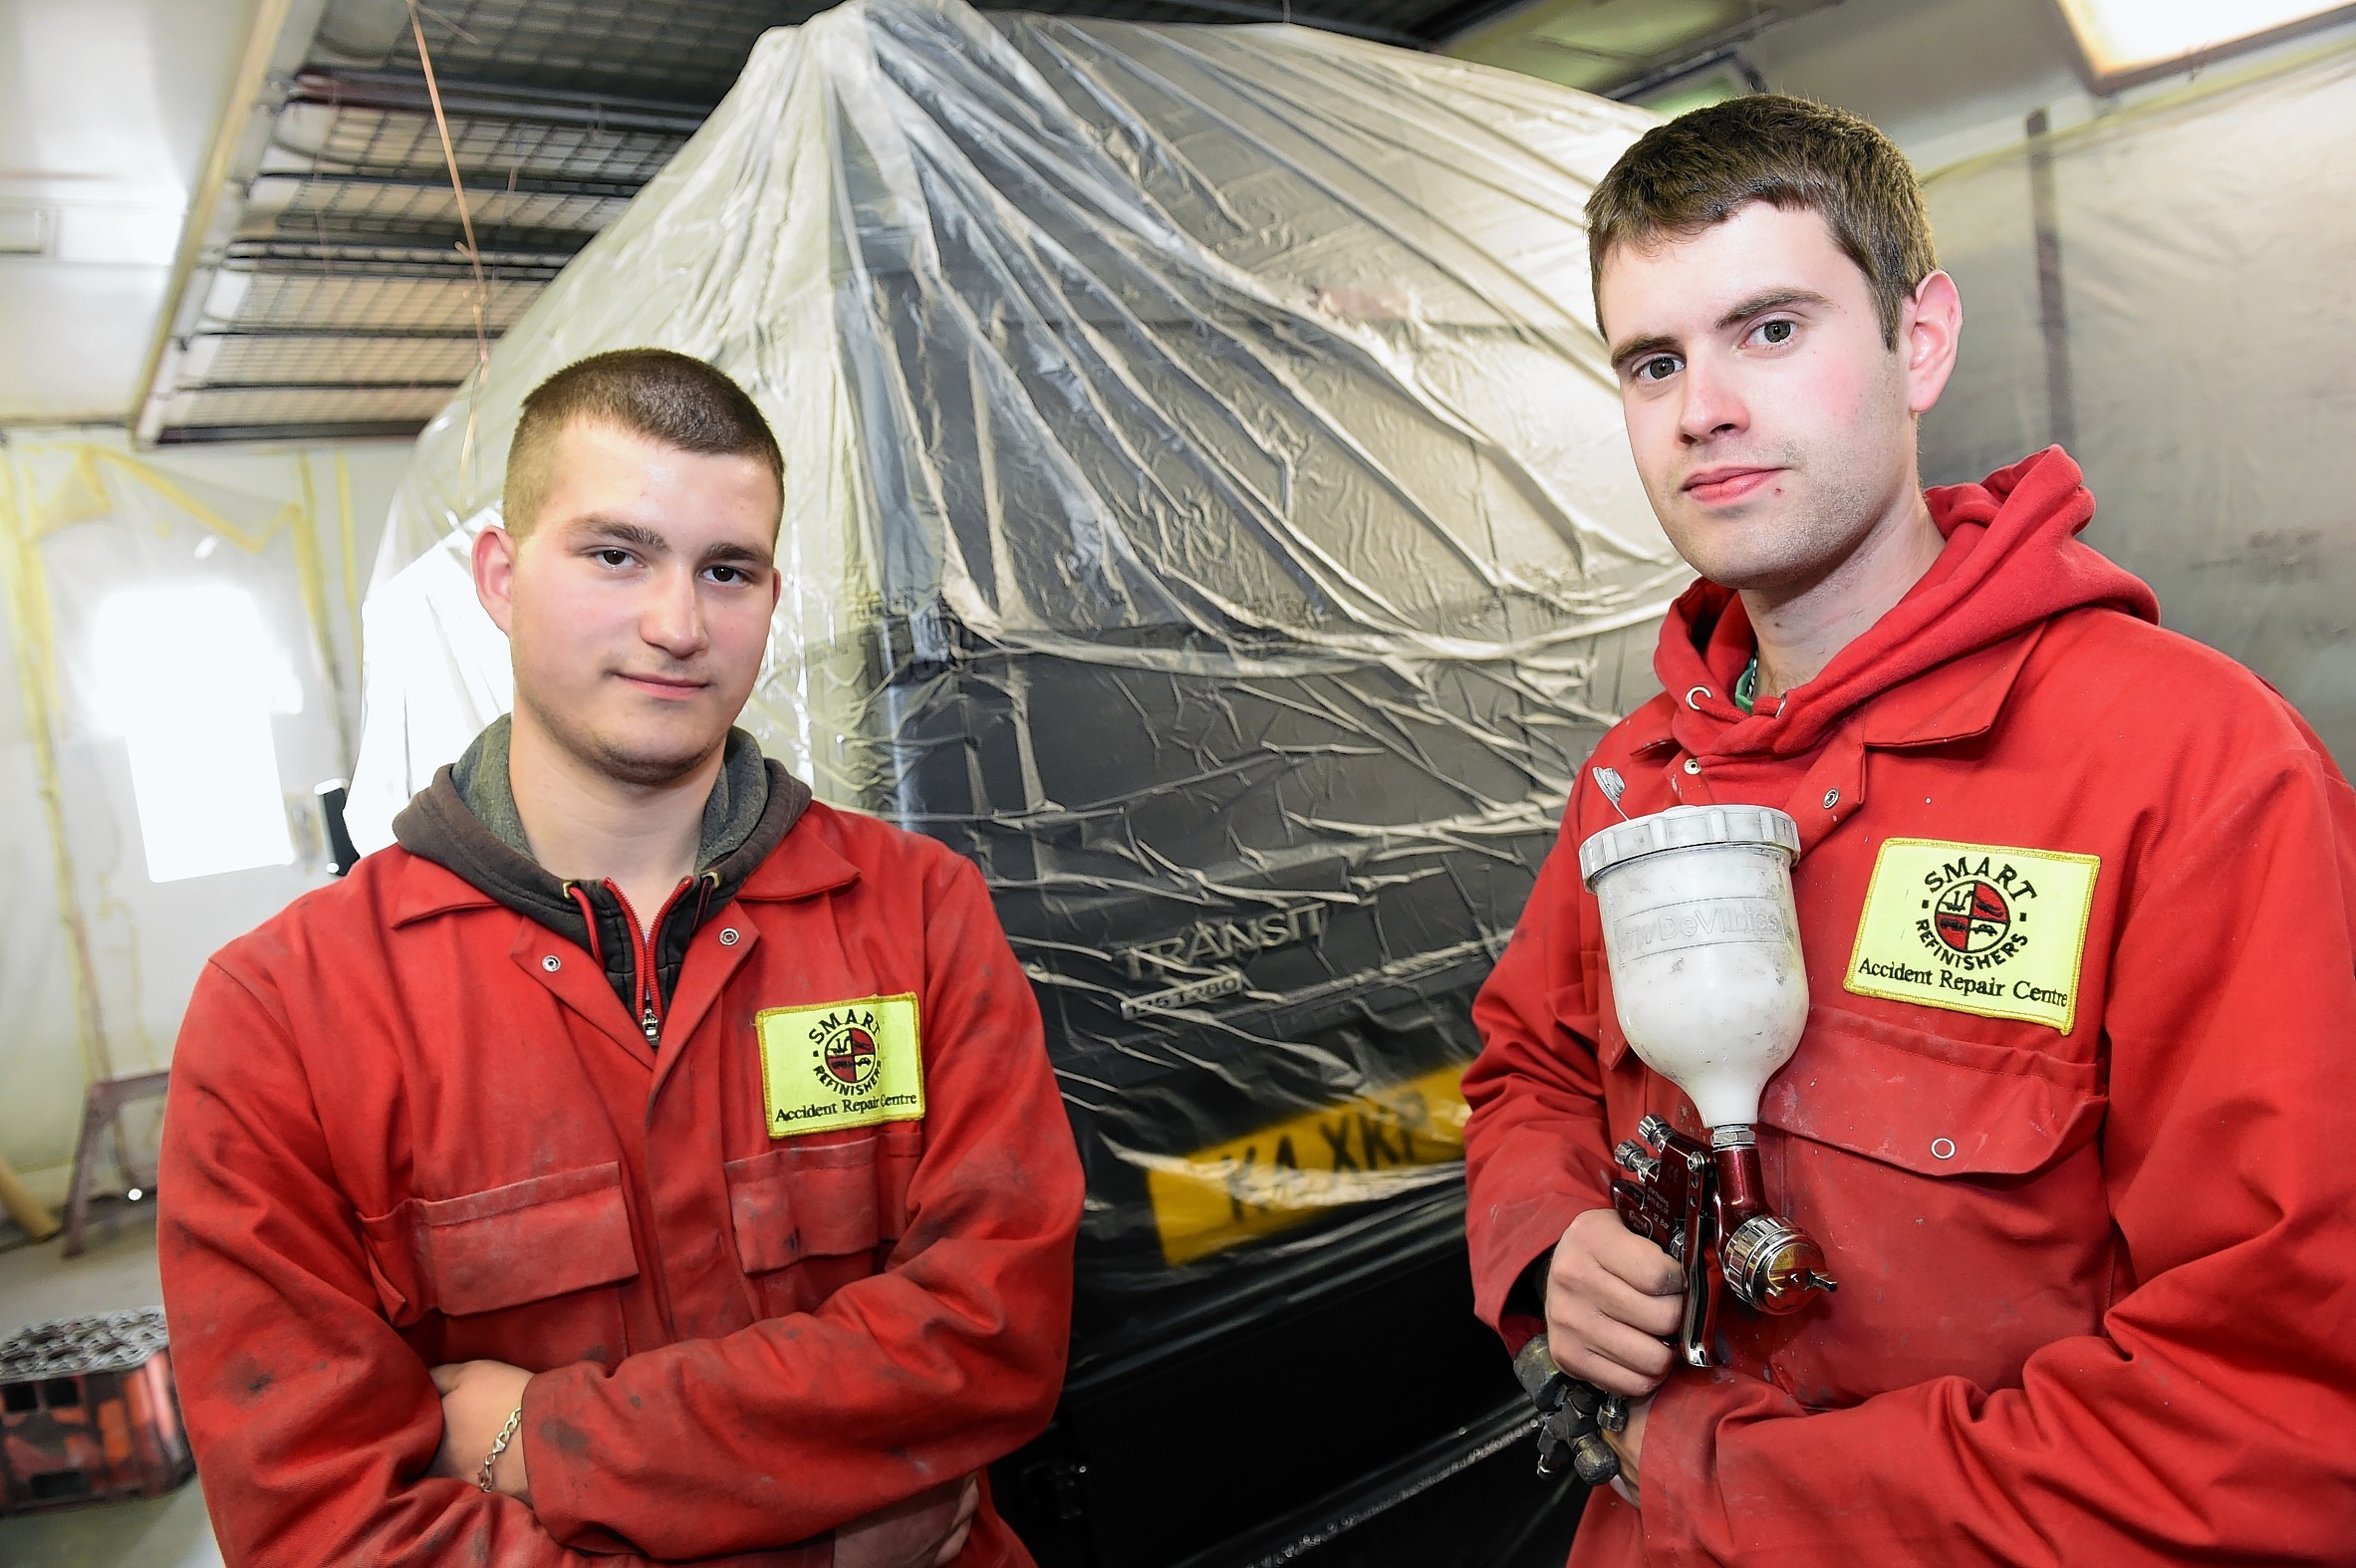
(672,689)
(1716,487)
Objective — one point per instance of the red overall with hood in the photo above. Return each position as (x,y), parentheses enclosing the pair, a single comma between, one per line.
(2097,1284)
(413,1121)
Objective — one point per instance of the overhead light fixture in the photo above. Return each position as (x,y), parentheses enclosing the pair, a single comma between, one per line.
(2127,41)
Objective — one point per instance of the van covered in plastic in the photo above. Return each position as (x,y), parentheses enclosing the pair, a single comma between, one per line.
(1208,510)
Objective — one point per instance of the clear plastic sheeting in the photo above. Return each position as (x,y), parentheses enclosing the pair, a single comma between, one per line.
(175,632)
(1207,508)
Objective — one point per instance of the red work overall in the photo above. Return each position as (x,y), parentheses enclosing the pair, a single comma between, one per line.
(2075,1112)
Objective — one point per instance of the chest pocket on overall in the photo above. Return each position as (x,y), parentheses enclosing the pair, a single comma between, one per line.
(512,1272)
(818,1212)
(1957,1186)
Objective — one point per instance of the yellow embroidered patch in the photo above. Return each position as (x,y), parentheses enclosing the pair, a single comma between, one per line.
(1975,929)
(843,1064)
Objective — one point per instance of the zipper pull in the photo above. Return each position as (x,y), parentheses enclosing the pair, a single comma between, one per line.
(652,1025)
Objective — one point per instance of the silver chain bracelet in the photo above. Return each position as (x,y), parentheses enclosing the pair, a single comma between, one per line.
(506,1436)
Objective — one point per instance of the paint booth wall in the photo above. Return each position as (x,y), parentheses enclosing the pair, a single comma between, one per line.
(96,956)
(2188,338)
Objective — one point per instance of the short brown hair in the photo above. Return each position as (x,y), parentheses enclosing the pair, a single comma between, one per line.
(1703,166)
(662,396)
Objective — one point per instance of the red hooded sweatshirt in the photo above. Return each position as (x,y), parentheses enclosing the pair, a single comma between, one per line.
(2073,1113)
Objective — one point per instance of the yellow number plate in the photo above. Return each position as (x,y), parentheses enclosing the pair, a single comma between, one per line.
(1366,1147)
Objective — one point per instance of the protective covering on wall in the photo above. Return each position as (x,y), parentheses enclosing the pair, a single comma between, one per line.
(1207,508)
(2188,338)
(110,735)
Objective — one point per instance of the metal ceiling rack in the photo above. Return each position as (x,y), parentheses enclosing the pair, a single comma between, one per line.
(322,290)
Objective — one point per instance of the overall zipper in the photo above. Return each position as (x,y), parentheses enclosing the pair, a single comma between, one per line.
(649,994)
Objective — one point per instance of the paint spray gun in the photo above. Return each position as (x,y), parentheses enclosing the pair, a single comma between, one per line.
(1703,941)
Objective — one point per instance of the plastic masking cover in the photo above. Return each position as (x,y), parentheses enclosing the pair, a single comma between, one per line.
(1207,508)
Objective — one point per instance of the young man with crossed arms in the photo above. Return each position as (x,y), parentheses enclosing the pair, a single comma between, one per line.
(641,1162)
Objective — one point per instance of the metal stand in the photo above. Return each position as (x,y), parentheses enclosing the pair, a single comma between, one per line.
(100,1109)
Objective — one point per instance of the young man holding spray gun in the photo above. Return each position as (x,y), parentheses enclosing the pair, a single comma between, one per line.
(2072,1110)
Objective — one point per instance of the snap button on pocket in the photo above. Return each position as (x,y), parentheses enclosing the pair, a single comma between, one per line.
(1832,798)
(1942,1149)
(552,963)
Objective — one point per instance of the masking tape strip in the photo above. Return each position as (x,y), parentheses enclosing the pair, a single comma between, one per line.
(351,550)
(163,485)
(35,650)
(313,578)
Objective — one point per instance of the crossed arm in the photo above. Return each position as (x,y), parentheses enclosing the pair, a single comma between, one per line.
(324,1438)
(479,1397)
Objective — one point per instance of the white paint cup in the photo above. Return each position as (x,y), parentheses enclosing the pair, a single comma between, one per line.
(1704,947)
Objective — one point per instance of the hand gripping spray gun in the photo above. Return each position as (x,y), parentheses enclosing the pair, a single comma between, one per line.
(1703,947)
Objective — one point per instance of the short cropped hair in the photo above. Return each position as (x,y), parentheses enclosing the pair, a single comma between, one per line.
(664,396)
(1704,165)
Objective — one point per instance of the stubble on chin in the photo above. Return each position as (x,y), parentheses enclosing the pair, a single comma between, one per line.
(1769,562)
(643,766)
(1797,539)
(1751,550)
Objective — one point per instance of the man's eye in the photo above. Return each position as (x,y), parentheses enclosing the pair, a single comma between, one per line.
(1776,331)
(728,574)
(613,557)
(1656,369)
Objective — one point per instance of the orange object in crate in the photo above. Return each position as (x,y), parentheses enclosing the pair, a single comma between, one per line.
(87,1412)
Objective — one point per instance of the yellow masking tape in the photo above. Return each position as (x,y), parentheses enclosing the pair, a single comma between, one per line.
(36,662)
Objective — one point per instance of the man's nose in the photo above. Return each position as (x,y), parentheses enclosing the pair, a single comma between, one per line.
(672,618)
(1711,406)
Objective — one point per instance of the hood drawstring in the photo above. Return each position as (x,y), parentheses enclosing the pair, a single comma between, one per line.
(580,896)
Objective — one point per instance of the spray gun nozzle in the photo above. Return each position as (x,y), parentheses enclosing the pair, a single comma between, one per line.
(1637,1160)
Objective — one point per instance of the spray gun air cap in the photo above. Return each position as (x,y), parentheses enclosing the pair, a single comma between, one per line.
(1702,943)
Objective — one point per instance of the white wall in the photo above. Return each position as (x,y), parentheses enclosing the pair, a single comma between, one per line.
(147,941)
(2202,224)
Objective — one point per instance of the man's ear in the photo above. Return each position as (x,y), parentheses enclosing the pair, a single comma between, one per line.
(1929,329)
(494,573)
